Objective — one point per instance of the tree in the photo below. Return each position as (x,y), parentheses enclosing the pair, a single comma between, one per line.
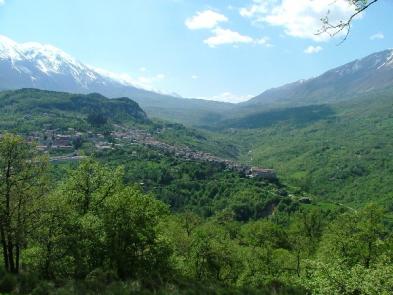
(132,241)
(189,221)
(266,255)
(213,255)
(356,238)
(333,29)
(89,185)
(94,223)
(97,119)
(22,184)
(304,234)
(53,238)
(69,238)
(86,191)
(355,256)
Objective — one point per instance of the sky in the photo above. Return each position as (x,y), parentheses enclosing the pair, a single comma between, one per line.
(213,49)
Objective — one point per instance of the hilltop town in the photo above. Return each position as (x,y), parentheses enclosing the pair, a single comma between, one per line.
(65,145)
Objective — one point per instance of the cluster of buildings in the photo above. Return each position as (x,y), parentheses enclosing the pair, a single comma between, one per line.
(142,137)
(53,140)
(68,142)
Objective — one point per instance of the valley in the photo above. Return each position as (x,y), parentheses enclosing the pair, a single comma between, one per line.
(333,143)
(110,188)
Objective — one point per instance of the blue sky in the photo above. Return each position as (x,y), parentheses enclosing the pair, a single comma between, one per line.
(225,50)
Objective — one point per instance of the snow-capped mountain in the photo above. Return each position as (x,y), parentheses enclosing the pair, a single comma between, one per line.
(34,65)
(370,73)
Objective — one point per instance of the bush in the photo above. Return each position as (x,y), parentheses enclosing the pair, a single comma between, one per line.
(27,282)
(98,279)
(44,288)
(7,283)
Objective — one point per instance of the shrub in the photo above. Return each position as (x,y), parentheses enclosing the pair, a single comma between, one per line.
(7,283)
(27,282)
(44,288)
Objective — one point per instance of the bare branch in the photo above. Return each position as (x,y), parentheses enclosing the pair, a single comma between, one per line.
(335,29)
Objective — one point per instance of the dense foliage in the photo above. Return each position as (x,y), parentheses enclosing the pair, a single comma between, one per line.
(200,187)
(340,152)
(131,219)
(96,232)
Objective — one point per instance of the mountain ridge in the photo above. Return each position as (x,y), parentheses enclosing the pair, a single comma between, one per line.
(47,66)
(34,65)
(372,72)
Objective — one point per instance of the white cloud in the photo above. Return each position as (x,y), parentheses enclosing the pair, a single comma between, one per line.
(227,36)
(228,97)
(194,77)
(300,18)
(207,19)
(2,2)
(265,41)
(313,49)
(258,7)
(210,20)
(377,36)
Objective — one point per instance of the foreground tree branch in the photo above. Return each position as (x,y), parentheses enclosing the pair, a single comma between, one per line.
(333,29)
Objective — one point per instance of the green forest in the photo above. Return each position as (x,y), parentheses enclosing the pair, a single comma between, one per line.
(85,211)
(94,228)
(341,151)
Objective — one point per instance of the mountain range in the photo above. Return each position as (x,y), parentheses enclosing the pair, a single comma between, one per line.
(34,65)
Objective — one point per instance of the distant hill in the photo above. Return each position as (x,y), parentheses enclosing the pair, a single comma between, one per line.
(27,109)
(296,116)
(373,72)
(34,65)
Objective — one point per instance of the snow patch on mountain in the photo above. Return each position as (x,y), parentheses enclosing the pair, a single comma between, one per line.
(389,60)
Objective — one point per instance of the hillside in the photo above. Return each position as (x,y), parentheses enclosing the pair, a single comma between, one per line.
(31,109)
(162,156)
(203,187)
(340,151)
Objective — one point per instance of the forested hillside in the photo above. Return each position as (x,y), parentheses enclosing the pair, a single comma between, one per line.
(96,229)
(99,199)
(339,151)
(31,109)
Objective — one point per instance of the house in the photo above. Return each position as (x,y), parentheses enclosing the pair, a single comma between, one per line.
(256,172)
